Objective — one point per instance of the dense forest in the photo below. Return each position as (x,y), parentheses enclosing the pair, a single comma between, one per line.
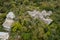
(27,28)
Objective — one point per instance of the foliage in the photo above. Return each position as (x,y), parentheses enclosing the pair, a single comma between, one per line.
(16,27)
(25,26)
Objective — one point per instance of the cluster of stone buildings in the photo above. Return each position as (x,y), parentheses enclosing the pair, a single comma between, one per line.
(35,14)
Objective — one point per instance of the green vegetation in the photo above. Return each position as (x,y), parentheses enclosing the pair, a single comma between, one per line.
(27,28)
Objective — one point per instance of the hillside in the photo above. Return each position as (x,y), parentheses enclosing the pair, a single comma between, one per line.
(26,27)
